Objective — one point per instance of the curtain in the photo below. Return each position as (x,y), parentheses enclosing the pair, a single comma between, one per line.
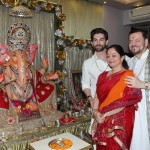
(74,61)
(42,33)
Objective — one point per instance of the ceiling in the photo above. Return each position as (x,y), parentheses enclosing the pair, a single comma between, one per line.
(123,4)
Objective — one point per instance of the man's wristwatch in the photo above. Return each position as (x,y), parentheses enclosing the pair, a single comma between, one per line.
(146,85)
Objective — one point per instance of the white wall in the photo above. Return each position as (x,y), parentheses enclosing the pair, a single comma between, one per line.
(112,21)
(81,17)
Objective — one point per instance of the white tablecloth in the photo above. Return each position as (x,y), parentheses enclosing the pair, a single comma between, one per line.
(78,144)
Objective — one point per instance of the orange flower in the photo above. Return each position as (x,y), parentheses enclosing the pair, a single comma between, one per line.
(27,106)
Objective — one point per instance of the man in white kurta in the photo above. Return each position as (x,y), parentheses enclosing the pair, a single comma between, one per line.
(95,65)
(138,46)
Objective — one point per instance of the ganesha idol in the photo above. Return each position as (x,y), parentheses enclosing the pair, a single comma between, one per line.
(27,96)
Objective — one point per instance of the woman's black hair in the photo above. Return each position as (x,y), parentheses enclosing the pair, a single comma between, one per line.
(119,49)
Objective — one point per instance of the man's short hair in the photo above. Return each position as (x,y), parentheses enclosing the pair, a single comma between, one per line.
(135,30)
(97,31)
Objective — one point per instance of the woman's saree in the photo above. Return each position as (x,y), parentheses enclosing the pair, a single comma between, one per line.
(116,131)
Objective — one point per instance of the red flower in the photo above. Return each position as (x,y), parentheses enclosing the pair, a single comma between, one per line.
(10,120)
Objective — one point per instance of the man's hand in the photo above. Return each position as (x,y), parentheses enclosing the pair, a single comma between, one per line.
(134,82)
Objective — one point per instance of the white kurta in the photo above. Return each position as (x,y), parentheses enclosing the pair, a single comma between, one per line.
(140,138)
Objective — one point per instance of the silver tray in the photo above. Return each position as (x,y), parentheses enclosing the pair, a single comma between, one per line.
(62,143)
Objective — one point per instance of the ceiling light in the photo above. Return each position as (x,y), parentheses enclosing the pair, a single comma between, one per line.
(104,2)
(126,1)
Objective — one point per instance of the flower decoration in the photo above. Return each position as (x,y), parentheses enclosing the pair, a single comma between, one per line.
(63,89)
(62,76)
(61,62)
(62,17)
(49,6)
(60,42)
(19,107)
(58,32)
(28,106)
(64,71)
(10,120)
(61,55)
(58,11)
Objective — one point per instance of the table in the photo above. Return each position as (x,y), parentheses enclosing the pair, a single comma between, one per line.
(78,144)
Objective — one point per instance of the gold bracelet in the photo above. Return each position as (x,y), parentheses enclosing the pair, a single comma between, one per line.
(44,68)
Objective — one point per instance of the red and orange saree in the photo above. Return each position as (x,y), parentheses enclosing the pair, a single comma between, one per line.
(116,131)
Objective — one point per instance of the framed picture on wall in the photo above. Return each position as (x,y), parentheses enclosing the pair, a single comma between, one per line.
(76,87)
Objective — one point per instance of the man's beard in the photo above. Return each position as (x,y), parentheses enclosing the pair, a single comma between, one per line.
(99,48)
(135,50)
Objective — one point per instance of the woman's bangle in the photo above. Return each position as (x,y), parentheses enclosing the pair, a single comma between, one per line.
(94,110)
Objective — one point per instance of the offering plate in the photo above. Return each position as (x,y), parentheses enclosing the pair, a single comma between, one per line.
(61,143)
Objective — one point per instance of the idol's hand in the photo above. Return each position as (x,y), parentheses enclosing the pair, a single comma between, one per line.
(134,82)
(45,62)
(53,76)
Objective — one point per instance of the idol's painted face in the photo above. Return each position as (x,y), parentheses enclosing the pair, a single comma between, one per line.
(114,59)
(137,43)
(99,42)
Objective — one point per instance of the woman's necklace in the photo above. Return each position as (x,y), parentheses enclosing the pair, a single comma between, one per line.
(111,74)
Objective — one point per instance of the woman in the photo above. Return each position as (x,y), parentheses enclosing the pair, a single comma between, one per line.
(115,105)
